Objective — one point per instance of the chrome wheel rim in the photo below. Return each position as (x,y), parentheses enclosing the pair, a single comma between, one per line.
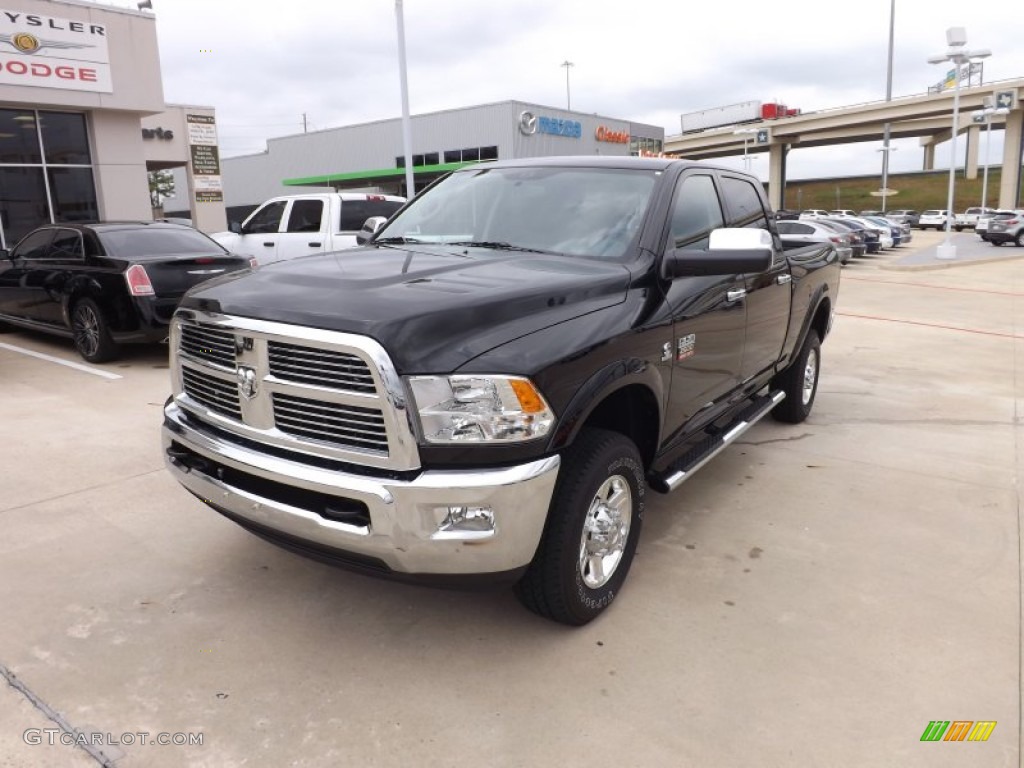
(605,531)
(810,376)
(87,331)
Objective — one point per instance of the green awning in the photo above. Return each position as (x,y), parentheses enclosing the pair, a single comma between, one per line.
(420,172)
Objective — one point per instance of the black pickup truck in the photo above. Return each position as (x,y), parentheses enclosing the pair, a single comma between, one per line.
(486,391)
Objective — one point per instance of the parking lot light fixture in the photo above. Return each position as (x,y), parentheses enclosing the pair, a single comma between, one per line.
(746,133)
(988,113)
(956,39)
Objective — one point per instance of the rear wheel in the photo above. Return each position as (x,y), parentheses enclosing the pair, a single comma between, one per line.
(592,530)
(91,333)
(800,383)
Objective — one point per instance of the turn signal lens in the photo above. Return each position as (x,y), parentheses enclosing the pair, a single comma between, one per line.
(138,281)
(528,396)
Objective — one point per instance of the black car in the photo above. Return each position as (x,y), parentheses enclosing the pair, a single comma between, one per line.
(106,284)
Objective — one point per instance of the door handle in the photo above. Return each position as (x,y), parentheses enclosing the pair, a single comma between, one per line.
(735,295)
(269,245)
(314,245)
(783,279)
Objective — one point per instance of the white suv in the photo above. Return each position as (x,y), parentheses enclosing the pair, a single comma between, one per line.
(933,219)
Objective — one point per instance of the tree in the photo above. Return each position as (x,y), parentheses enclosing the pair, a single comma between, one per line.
(161,186)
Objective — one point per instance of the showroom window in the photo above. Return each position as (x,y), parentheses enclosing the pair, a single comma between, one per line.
(45,171)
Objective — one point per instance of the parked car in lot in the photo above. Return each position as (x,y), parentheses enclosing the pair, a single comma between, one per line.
(969,218)
(905,214)
(106,284)
(872,243)
(981,228)
(884,231)
(933,219)
(895,230)
(815,213)
(1007,229)
(800,233)
(490,388)
(298,225)
(842,212)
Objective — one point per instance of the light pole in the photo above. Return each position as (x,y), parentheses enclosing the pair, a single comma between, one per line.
(956,39)
(745,132)
(410,184)
(986,114)
(888,97)
(568,101)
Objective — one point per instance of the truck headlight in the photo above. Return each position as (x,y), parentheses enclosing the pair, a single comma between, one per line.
(480,409)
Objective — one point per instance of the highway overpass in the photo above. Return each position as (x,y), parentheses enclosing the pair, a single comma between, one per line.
(928,117)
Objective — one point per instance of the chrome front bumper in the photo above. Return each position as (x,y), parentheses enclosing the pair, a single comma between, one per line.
(409,528)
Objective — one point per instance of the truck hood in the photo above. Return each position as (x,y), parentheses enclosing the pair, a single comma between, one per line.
(433,308)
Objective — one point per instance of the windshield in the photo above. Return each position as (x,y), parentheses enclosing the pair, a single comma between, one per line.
(573,211)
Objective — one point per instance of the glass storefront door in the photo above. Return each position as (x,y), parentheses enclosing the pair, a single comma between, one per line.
(45,171)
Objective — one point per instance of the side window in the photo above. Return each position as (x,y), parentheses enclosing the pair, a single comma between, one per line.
(803,229)
(266,219)
(35,245)
(306,216)
(745,209)
(697,211)
(67,244)
(354,213)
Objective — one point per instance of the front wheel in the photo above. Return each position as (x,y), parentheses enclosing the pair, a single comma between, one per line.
(592,530)
(800,382)
(91,334)
(1019,239)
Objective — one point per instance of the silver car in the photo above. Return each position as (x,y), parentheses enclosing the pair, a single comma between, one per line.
(809,232)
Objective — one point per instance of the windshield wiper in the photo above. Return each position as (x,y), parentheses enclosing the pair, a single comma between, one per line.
(497,246)
(398,240)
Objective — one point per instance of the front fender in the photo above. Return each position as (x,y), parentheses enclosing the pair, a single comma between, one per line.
(598,388)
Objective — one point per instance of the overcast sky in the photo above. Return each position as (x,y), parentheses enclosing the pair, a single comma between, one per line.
(262,64)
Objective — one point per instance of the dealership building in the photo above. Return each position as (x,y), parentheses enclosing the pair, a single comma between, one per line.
(82,120)
(370,156)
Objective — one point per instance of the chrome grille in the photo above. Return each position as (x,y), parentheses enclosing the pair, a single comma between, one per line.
(351,426)
(299,390)
(207,343)
(216,394)
(320,367)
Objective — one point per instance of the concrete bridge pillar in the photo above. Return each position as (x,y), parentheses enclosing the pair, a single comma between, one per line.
(929,157)
(1009,186)
(973,135)
(777,176)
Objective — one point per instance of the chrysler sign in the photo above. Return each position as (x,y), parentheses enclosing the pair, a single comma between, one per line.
(52,52)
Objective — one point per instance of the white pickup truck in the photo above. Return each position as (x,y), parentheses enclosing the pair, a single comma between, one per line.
(969,218)
(297,225)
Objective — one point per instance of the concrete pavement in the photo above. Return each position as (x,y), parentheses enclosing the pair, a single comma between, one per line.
(814,597)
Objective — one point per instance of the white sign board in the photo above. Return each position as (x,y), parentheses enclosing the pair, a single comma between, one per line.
(202,129)
(51,52)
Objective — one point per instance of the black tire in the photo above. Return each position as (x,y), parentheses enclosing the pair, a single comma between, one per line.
(1019,239)
(91,333)
(800,383)
(564,583)
(959,229)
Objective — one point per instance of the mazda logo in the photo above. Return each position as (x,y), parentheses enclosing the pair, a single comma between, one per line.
(527,122)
